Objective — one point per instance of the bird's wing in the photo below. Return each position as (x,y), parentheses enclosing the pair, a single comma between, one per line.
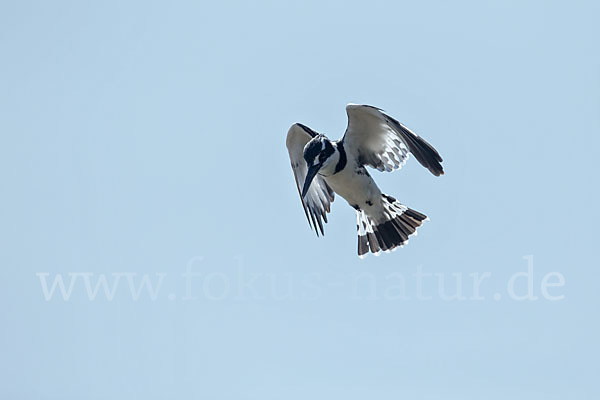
(382,142)
(318,199)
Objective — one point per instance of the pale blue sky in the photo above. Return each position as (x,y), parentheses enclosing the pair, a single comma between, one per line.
(138,136)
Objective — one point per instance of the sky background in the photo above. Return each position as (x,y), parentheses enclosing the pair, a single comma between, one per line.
(148,137)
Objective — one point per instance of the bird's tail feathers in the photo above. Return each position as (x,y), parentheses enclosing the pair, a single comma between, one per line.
(399,225)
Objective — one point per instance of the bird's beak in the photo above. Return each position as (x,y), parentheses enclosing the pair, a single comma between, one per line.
(310,175)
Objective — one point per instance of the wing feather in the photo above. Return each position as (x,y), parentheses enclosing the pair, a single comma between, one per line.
(384,143)
(317,202)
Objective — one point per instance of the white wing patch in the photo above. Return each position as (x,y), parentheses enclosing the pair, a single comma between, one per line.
(375,140)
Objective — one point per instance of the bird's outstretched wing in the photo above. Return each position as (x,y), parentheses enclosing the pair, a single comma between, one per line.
(318,199)
(384,143)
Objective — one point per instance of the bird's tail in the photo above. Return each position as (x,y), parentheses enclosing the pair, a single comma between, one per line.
(400,223)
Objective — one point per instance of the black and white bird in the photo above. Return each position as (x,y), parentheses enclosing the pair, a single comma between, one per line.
(323,167)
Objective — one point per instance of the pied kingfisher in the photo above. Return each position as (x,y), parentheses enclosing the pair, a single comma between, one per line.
(322,167)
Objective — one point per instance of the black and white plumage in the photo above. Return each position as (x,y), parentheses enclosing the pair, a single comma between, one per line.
(323,167)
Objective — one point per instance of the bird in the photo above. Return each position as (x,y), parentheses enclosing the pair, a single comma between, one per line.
(323,168)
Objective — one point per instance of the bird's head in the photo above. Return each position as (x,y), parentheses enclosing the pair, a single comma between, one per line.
(319,154)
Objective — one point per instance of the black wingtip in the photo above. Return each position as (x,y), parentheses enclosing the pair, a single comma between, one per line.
(307,129)
(425,154)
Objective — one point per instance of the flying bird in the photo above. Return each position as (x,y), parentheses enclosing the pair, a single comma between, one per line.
(323,167)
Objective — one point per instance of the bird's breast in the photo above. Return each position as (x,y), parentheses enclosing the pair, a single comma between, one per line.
(356,186)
